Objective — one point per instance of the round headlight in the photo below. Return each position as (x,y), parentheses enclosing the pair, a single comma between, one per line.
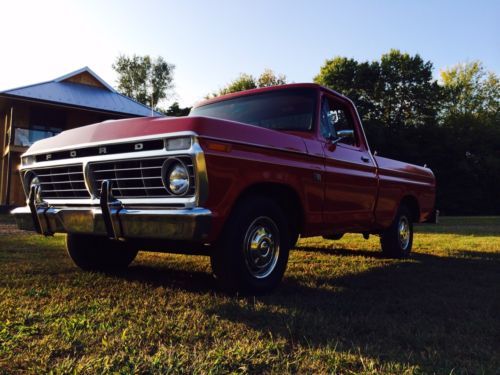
(176,177)
(34,181)
(30,179)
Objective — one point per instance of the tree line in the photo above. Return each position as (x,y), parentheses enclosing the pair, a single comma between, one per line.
(451,124)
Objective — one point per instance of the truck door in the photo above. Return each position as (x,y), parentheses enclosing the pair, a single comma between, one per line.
(350,171)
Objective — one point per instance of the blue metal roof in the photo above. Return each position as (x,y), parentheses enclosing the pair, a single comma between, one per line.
(103,98)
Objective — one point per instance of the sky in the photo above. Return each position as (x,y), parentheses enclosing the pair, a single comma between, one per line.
(212,42)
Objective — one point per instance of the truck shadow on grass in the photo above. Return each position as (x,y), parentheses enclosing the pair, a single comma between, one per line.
(171,277)
(438,313)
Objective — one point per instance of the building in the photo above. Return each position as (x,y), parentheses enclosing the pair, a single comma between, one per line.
(42,110)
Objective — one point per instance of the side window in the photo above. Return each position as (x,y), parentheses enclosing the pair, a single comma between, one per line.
(327,129)
(334,118)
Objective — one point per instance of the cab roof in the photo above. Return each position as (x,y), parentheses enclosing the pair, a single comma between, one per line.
(267,89)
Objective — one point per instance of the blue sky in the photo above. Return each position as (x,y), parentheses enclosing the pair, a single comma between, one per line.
(211,42)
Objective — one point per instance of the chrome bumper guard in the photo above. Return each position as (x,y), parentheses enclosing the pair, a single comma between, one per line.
(112,219)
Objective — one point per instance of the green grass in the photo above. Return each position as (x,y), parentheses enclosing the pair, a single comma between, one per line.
(341,308)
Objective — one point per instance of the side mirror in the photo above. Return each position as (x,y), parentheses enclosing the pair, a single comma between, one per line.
(341,135)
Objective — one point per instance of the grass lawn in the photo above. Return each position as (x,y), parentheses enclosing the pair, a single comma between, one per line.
(341,308)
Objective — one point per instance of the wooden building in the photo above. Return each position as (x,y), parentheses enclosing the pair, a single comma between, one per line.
(42,110)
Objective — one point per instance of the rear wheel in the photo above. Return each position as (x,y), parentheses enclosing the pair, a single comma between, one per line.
(252,253)
(397,240)
(97,253)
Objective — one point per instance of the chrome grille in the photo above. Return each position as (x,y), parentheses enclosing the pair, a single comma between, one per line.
(62,182)
(136,178)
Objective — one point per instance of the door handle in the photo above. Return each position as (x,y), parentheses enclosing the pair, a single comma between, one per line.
(366,159)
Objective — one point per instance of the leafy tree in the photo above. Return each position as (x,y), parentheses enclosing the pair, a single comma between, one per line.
(452,126)
(470,89)
(248,82)
(469,164)
(143,78)
(268,78)
(177,111)
(355,80)
(393,95)
(406,93)
(397,91)
(243,82)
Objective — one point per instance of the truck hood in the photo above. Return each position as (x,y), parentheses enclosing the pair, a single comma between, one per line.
(204,127)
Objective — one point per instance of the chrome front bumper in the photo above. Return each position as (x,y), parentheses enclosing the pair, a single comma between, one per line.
(113,220)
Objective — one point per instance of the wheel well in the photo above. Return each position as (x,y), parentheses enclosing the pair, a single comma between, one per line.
(286,197)
(411,202)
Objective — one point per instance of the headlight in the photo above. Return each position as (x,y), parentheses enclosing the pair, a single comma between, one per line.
(30,179)
(175,176)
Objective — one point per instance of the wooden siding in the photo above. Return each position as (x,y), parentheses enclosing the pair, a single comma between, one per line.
(85,79)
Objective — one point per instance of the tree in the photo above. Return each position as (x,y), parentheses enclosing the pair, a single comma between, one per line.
(469,89)
(393,96)
(355,80)
(406,93)
(396,91)
(268,78)
(469,166)
(242,83)
(143,78)
(177,111)
(248,82)
(453,126)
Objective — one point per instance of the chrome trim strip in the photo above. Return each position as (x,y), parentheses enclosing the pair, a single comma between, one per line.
(111,157)
(187,202)
(114,141)
(87,176)
(200,170)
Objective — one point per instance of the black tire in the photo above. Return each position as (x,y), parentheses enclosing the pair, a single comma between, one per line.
(397,240)
(97,253)
(239,267)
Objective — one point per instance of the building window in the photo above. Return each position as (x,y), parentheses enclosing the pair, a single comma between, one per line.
(26,137)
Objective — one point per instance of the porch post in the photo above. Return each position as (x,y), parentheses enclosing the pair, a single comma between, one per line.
(8,142)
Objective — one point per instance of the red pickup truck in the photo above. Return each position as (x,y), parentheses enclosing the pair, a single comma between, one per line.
(239,179)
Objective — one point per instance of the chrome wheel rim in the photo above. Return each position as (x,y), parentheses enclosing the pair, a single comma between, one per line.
(261,247)
(404,232)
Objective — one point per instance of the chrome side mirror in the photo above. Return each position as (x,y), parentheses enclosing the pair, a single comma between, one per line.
(341,135)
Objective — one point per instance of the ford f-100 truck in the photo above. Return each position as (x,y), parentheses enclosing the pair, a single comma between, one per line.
(239,179)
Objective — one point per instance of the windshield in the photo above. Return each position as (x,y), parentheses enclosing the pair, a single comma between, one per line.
(288,109)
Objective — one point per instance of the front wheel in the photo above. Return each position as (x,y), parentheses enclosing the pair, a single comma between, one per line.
(252,254)
(97,253)
(397,240)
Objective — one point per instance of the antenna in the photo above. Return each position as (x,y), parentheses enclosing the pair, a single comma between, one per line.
(152,104)
(152,97)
